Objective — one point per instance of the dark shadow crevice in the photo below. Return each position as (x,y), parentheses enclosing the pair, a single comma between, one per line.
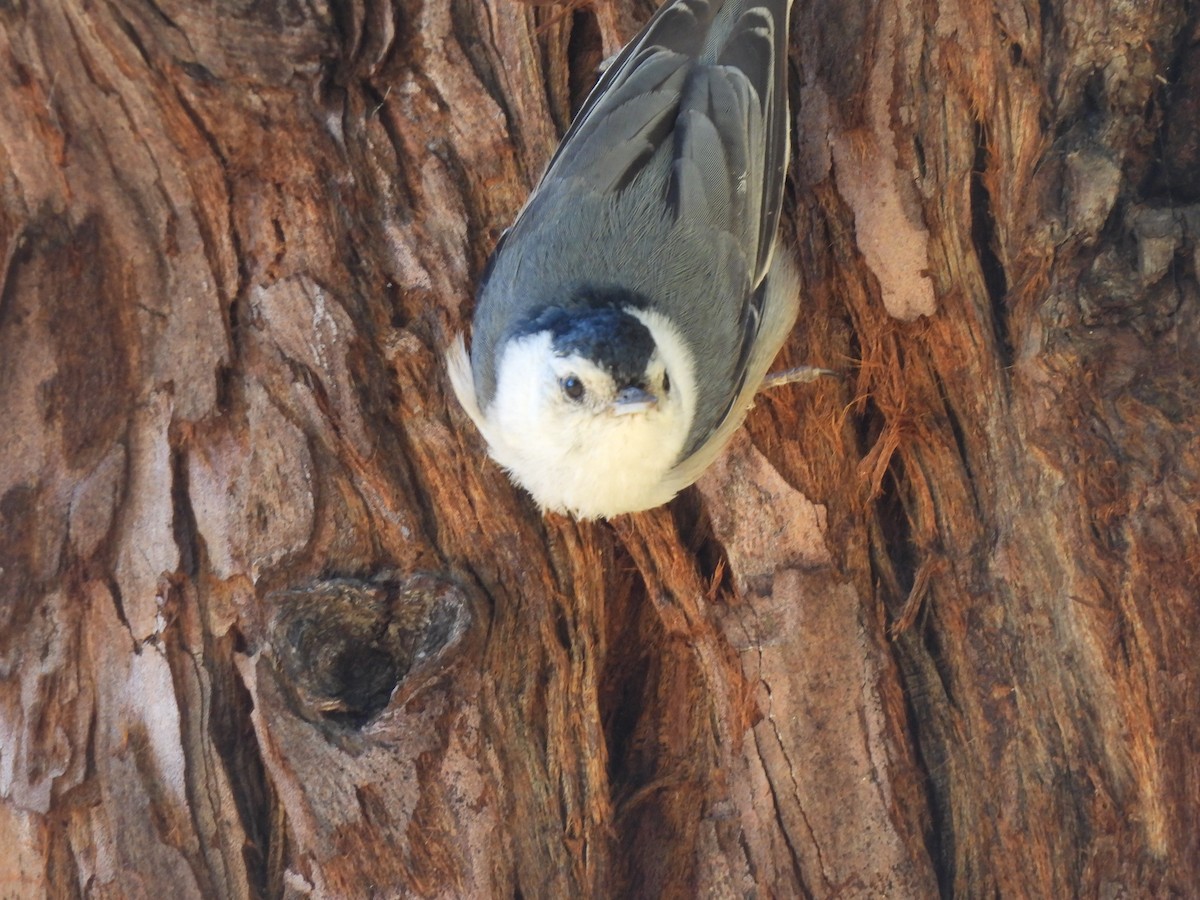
(984,238)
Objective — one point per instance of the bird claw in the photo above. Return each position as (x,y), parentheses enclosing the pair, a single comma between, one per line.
(798,375)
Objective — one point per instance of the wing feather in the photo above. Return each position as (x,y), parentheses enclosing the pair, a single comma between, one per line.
(707,78)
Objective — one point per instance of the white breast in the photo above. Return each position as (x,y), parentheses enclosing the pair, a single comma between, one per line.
(575,460)
(597,469)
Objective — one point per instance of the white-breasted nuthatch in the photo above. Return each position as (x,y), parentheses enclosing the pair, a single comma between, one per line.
(630,313)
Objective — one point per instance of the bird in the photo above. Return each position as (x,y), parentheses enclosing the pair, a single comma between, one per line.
(626,318)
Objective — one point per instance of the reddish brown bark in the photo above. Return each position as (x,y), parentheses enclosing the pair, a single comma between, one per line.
(273,625)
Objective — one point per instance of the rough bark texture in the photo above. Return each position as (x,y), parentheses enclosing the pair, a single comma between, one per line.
(272,625)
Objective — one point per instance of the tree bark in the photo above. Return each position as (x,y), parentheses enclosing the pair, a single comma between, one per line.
(272,625)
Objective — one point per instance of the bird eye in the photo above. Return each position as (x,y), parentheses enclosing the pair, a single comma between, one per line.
(666,384)
(572,387)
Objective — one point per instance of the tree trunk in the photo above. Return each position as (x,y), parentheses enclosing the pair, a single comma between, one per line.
(272,625)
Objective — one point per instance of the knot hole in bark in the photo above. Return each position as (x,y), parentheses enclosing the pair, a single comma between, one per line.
(344,645)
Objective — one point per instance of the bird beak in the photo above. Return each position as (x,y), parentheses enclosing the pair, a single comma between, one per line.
(633,400)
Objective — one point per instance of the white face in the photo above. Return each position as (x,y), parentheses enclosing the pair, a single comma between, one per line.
(559,426)
(586,389)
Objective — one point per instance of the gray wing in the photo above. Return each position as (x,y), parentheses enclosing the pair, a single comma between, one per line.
(707,78)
